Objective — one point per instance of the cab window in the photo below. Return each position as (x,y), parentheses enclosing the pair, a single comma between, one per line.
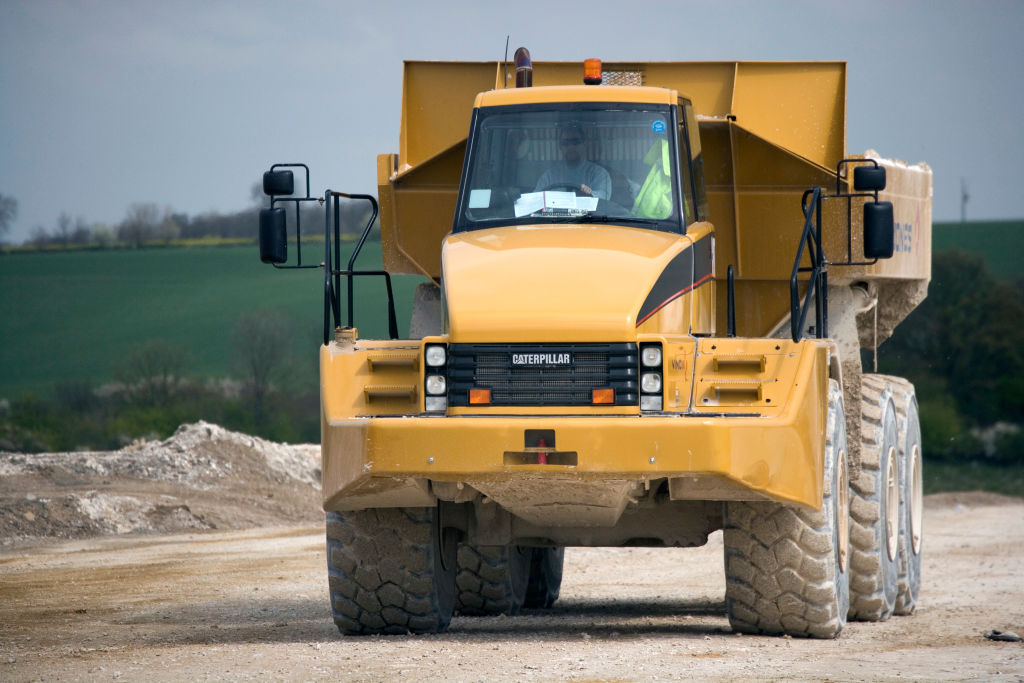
(572,162)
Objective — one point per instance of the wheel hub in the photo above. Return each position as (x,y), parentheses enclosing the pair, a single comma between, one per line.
(892,504)
(916,499)
(843,513)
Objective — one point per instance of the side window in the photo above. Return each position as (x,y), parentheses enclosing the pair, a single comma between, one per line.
(692,163)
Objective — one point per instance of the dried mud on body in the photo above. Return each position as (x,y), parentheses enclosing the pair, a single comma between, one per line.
(136,593)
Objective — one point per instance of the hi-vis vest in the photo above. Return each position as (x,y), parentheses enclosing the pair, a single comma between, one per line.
(654,200)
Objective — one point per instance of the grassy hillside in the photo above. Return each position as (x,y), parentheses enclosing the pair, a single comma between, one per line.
(73,315)
(70,315)
(1001,243)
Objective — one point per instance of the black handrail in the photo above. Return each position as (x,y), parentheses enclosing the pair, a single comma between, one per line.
(730,313)
(817,285)
(332,277)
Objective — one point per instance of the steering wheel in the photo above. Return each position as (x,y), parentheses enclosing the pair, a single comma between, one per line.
(563,186)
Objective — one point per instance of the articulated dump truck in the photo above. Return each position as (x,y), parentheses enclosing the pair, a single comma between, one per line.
(651,291)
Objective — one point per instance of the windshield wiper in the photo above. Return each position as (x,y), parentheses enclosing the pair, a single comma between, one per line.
(609,218)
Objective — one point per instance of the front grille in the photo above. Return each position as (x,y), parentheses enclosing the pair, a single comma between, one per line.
(542,374)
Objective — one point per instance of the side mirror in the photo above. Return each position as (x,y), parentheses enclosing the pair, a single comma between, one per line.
(278,183)
(868,179)
(273,234)
(878,229)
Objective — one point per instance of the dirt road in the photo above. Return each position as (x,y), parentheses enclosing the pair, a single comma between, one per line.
(243,605)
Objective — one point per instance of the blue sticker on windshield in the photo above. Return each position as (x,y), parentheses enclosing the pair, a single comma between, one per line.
(658,126)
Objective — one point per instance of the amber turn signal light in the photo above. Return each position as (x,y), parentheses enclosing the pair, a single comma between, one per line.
(603,396)
(479,397)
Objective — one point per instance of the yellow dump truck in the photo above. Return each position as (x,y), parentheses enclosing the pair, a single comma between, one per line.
(651,287)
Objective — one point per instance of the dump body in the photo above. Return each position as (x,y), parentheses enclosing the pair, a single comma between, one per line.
(768,132)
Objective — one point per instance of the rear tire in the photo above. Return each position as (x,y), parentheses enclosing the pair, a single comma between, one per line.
(492,580)
(786,567)
(390,570)
(545,578)
(874,510)
(911,497)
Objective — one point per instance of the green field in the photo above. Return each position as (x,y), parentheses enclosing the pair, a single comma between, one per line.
(1001,243)
(71,315)
(74,315)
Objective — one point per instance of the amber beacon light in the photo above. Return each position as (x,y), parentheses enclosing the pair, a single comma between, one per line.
(592,71)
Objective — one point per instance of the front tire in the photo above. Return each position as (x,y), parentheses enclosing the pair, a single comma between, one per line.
(786,567)
(390,570)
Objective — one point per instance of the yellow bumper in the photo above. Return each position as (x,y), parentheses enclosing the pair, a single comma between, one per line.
(767,444)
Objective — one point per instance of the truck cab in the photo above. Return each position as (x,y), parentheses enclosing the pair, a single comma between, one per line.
(578,226)
(637,146)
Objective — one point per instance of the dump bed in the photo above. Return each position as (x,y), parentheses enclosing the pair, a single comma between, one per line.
(769,131)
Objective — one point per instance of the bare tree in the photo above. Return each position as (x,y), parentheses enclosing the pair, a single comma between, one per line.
(259,200)
(151,373)
(139,223)
(262,341)
(8,212)
(169,230)
(64,229)
(81,233)
(40,237)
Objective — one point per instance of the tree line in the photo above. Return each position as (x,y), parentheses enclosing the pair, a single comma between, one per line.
(271,392)
(147,224)
(963,348)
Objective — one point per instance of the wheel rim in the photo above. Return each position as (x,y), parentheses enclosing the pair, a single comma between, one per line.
(892,504)
(916,498)
(843,513)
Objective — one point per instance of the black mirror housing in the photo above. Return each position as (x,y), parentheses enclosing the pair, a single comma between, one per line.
(273,234)
(278,183)
(879,230)
(868,179)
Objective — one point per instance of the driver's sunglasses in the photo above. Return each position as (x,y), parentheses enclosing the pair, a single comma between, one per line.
(570,142)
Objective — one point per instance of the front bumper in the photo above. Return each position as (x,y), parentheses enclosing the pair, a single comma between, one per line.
(588,466)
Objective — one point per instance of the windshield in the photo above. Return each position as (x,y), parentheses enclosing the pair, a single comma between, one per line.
(590,163)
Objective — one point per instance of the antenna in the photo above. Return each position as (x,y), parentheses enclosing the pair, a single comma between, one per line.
(505,63)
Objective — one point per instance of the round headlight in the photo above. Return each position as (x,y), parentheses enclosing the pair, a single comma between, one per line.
(436,384)
(650,382)
(650,356)
(436,356)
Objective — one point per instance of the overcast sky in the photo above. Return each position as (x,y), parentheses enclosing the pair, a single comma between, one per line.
(103,104)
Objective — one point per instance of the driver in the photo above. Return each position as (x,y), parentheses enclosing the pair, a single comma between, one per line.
(574,170)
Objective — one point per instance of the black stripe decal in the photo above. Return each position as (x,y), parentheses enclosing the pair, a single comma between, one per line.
(691,268)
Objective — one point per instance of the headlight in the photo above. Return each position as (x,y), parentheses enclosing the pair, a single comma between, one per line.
(436,384)
(650,356)
(436,404)
(650,382)
(436,356)
(650,403)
